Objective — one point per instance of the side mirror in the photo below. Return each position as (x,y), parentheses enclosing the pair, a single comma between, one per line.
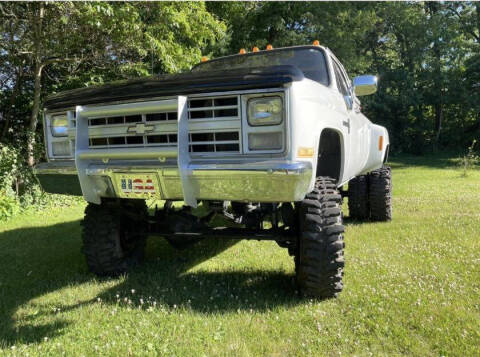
(365,85)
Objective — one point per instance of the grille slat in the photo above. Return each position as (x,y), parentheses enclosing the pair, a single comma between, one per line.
(213,108)
(214,142)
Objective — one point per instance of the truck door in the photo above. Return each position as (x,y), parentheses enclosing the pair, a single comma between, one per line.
(344,107)
(356,124)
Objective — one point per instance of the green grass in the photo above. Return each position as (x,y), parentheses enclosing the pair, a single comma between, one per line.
(412,286)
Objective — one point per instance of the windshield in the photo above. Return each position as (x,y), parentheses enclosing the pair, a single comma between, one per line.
(309,60)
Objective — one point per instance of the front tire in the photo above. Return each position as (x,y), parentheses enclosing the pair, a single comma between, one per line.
(114,236)
(319,259)
(380,194)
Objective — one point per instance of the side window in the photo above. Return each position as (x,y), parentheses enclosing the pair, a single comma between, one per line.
(341,84)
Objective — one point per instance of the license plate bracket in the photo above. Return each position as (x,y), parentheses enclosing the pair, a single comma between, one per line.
(133,185)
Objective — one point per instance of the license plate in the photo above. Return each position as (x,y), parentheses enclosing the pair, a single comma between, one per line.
(136,185)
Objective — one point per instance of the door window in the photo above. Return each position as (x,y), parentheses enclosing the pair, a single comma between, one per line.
(341,83)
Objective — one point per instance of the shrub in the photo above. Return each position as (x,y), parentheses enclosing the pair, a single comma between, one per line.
(19,188)
(468,161)
(8,206)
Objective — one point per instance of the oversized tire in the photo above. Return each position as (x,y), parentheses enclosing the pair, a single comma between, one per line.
(114,236)
(319,258)
(380,194)
(358,198)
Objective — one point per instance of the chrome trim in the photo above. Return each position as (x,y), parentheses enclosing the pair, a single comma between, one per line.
(131,108)
(276,128)
(129,153)
(267,166)
(55,168)
(183,154)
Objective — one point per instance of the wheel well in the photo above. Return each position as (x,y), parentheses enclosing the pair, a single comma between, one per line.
(329,154)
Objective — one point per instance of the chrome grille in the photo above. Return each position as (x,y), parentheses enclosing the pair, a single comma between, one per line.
(214,125)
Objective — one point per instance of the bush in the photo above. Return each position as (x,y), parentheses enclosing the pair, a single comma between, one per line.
(19,188)
(9,169)
(469,160)
(8,206)
(10,179)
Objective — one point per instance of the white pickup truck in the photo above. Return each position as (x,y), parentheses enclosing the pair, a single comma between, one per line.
(266,139)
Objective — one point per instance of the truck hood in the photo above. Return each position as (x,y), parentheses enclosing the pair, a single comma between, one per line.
(177,84)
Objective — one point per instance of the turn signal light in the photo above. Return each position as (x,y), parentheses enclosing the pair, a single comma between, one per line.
(380,143)
(305,152)
(316,43)
(255,49)
(242,51)
(204,59)
(269,47)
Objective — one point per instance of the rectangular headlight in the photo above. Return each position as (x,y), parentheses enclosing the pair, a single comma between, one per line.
(59,125)
(265,111)
(265,141)
(61,148)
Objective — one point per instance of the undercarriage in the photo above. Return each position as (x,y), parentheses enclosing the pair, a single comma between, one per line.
(224,219)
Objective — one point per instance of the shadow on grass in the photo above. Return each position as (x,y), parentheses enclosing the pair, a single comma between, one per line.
(34,262)
(38,261)
(347,221)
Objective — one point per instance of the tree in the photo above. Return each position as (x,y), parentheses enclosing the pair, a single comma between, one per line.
(83,37)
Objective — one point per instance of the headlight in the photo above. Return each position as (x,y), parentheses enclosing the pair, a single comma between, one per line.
(265,141)
(61,148)
(265,111)
(59,125)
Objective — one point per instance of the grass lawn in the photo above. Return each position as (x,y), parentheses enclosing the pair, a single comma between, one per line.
(412,286)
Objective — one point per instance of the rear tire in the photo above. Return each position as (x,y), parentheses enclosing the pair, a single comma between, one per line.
(380,194)
(319,258)
(114,236)
(358,198)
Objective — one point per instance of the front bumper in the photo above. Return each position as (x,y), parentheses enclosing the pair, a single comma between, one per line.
(58,177)
(261,181)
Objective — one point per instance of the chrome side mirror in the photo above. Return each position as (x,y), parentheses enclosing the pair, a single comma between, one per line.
(365,85)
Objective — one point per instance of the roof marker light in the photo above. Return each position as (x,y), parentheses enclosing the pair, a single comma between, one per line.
(255,49)
(242,51)
(316,43)
(269,47)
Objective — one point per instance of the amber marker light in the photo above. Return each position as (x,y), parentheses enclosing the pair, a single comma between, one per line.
(380,143)
(255,49)
(305,152)
(242,51)
(269,47)
(204,59)
(316,43)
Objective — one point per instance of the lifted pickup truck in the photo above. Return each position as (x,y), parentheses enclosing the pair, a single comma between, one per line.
(266,139)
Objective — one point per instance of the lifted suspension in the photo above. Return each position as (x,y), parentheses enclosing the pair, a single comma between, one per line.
(215,221)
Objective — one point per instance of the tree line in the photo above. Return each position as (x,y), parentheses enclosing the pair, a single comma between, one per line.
(426,54)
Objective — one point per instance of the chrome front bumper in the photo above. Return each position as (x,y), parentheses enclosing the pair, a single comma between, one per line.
(262,181)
